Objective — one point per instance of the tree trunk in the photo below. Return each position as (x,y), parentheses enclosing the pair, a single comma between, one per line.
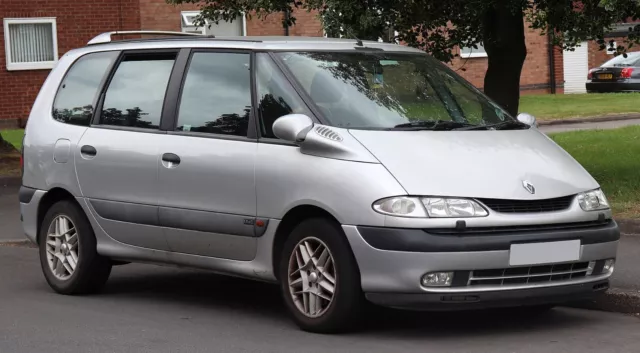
(506,50)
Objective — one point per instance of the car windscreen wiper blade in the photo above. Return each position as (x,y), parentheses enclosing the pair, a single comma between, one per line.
(505,125)
(441,125)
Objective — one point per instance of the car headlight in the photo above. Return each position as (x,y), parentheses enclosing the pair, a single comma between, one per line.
(593,200)
(439,207)
(434,207)
(401,206)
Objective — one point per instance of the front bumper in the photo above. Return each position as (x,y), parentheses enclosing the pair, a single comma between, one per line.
(391,269)
(623,86)
(495,299)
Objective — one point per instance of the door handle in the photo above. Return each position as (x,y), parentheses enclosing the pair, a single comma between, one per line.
(170,160)
(88,151)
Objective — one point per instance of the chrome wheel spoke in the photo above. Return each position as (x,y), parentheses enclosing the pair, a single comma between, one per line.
(72,263)
(327,286)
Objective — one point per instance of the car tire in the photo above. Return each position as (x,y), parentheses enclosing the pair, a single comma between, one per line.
(68,255)
(318,309)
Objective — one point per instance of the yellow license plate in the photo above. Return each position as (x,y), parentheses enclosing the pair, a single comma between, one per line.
(605,76)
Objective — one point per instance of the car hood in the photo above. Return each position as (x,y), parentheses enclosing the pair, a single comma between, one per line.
(480,164)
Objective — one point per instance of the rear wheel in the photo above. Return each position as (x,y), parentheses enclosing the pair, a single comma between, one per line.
(68,255)
(319,278)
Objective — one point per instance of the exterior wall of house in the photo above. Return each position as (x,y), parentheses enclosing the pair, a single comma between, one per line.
(77,22)
(535,72)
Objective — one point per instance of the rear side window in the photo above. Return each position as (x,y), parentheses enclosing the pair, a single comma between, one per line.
(216,97)
(78,91)
(136,92)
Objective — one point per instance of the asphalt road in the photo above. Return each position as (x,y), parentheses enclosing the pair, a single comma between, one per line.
(154,309)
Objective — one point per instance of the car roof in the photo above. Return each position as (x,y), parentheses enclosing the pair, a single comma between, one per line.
(104,42)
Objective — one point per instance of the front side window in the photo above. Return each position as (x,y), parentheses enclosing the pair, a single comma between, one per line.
(137,89)
(216,97)
(276,96)
(75,98)
(30,43)
(382,90)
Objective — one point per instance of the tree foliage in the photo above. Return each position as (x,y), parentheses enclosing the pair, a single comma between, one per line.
(441,26)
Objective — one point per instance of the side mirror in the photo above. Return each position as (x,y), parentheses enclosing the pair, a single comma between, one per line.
(527,119)
(292,127)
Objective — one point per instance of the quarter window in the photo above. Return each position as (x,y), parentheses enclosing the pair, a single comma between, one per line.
(77,93)
(30,43)
(136,92)
(216,97)
(276,96)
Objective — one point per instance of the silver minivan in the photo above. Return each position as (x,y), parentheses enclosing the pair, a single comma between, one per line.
(347,172)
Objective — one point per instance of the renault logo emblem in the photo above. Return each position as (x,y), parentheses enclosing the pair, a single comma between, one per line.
(528,186)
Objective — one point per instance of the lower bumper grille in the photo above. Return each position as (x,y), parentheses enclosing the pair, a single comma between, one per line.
(527,275)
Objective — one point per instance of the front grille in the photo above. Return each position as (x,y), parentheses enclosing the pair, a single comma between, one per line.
(528,275)
(528,206)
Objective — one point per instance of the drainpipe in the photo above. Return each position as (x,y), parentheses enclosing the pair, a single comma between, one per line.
(287,15)
(552,63)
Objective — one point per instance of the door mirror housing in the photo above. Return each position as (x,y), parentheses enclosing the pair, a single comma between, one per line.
(292,127)
(527,119)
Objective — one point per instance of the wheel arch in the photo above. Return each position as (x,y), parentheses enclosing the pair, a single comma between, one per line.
(52,196)
(291,219)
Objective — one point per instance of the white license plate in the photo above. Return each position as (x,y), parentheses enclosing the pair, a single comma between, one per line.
(544,253)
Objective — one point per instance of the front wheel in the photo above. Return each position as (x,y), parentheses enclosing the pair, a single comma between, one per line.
(319,278)
(68,255)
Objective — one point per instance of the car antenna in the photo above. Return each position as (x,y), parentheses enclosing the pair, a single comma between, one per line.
(358,41)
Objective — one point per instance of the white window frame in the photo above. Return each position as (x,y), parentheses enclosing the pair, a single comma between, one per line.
(471,52)
(184,14)
(40,65)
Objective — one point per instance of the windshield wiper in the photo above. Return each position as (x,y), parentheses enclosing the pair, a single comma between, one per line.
(505,125)
(438,125)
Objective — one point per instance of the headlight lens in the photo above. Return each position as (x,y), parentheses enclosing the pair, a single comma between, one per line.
(593,200)
(435,207)
(401,206)
(450,207)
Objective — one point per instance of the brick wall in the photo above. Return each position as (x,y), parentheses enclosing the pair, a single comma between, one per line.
(158,15)
(77,22)
(535,72)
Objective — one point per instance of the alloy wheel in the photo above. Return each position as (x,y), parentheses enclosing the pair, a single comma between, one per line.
(62,247)
(312,277)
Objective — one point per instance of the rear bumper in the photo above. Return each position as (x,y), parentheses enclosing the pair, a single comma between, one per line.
(29,202)
(391,271)
(613,86)
(495,299)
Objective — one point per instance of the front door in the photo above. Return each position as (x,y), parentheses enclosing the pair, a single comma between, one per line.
(116,159)
(206,165)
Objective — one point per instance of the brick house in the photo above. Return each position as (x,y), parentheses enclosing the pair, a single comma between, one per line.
(36,33)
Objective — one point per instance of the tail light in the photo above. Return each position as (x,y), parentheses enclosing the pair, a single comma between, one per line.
(626,72)
(590,74)
(22,156)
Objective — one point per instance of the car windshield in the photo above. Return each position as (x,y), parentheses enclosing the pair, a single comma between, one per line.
(620,61)
(383,90)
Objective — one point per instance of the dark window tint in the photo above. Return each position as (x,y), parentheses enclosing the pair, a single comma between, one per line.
(77,92)
(276,97)
(216,97)
(136,93)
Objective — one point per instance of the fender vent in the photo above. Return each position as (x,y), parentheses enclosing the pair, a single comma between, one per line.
(328,133)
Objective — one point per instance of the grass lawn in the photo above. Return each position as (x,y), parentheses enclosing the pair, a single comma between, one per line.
(613,159)
(10,159)
(562,106)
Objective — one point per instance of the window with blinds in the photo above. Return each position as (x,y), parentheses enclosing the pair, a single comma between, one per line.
(30,43)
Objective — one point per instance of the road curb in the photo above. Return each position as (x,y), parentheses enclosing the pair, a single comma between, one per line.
(593,119)
(629,226)
(24,243)
(614,300)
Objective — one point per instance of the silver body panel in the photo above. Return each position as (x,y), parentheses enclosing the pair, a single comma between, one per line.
(200,212)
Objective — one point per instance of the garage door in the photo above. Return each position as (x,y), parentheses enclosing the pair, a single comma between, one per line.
(576,68)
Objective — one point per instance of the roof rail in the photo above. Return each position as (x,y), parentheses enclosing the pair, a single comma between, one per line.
(106,37)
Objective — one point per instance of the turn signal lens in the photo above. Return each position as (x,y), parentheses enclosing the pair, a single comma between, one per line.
(593,200)
(401,206)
